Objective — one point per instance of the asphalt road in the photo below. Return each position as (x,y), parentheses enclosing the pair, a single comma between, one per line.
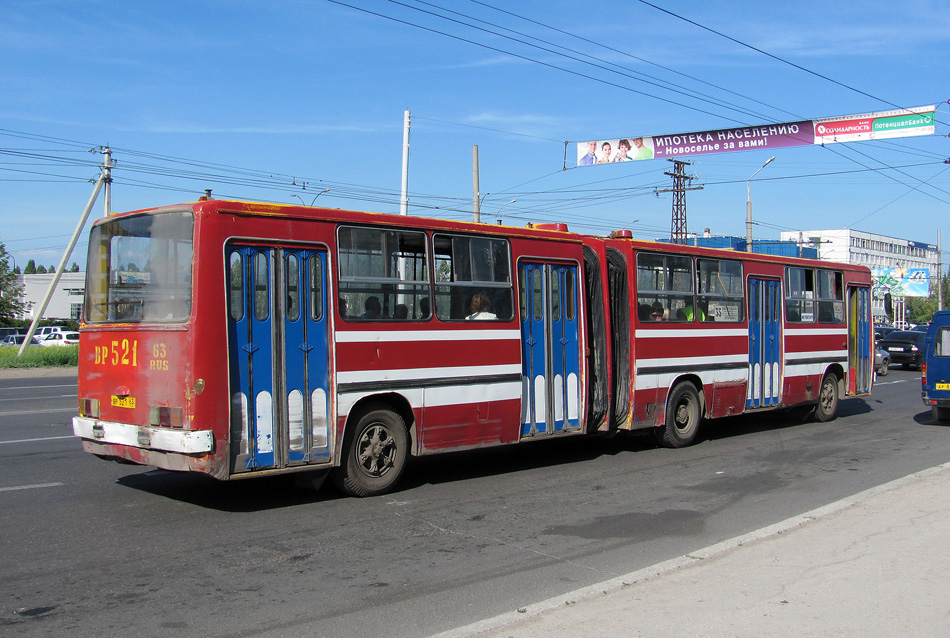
(89,547)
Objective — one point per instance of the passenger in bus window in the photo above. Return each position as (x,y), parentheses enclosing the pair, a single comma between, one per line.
(689,313)
(424,308)
(341,302)
(372,308)
(401,313)
(657,312)
(481,308)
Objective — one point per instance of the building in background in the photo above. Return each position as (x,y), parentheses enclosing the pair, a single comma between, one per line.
(781,248)
(66,302)
(900,267)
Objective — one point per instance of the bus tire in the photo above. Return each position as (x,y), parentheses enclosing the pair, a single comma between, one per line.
(375,455)
(940,414)
(683,414)
(827,408)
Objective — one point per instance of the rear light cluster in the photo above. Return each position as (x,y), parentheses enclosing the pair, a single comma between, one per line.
(89,408)
(923,372)
(165,417)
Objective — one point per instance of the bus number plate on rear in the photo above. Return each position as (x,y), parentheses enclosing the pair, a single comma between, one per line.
(942,386)
(123,402)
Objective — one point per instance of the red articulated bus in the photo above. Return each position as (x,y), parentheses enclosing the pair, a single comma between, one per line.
(239,339)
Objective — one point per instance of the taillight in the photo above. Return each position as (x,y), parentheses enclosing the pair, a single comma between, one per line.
(89,407)
(923,372)
(165,417)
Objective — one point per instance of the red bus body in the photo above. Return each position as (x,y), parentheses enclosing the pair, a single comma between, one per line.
(224,338)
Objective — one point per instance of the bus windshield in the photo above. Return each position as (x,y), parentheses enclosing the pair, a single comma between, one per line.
(139,269)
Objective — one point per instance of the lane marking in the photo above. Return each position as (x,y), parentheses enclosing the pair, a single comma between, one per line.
(30,487)
(45,438)
(58,396)
(35,387)
(71,410)
(891,382)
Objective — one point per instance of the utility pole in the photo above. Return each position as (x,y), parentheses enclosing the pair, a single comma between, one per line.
(103,176)
(939,275)
(476,197)
(404,199)
(678,227)
(107,180)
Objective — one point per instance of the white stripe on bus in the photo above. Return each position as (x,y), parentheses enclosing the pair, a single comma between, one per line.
(411,374)
(452,336)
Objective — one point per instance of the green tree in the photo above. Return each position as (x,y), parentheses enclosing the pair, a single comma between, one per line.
(30,268)
(12,303)
(74,267)
(922,309)
(41,270)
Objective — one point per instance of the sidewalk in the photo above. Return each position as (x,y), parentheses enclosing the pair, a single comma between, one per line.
(874,565)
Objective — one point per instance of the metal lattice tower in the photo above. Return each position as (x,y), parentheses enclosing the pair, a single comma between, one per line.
(681,181)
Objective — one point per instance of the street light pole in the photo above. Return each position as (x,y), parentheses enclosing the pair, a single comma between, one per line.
(501,209)
(748,207)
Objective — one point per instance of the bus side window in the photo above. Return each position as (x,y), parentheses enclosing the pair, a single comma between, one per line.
(261,292)
(236,286)
(293,288)
(316,288)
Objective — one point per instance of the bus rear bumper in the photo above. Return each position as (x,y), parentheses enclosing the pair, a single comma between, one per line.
(148,438)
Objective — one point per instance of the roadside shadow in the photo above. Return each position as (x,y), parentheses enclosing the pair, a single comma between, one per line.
(241,496)
(753,422)
(487,462)
(927,418)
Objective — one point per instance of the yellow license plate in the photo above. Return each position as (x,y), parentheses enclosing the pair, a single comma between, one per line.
(123,402)
(942,386)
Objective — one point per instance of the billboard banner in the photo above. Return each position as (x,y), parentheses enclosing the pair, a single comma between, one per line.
(846,128)
(913,282)
(876,126)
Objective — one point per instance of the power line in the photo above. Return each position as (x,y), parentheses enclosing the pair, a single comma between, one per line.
(766,53)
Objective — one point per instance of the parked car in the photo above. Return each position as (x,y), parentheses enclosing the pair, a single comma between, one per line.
(43,332)
(882,331)
(906,347)
(935,373)
(882,362)
(16,340)
(61,339)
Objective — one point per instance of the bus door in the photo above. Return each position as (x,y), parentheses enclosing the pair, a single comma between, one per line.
(765,343)
(306,370)
(550,337)
(279,356)
(860,351)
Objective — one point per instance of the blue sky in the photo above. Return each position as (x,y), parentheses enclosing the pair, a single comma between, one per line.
(279,101)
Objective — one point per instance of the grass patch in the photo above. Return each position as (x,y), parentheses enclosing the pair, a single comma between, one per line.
(39,357)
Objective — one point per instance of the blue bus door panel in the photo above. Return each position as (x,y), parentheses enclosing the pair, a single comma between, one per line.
(253,354)
(550,350)
(765,343)
(533,343)
(306,370)
(860,354)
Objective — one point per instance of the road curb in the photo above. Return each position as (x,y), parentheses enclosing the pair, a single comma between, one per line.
(692,558)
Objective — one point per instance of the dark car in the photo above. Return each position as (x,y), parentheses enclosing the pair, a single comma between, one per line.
(906,347)
(882,331)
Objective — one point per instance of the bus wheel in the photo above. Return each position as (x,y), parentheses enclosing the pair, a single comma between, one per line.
(940,414)
(682,417)
(827,408)
(375,456)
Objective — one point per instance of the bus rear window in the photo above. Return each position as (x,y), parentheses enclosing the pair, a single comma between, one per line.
(139,269)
